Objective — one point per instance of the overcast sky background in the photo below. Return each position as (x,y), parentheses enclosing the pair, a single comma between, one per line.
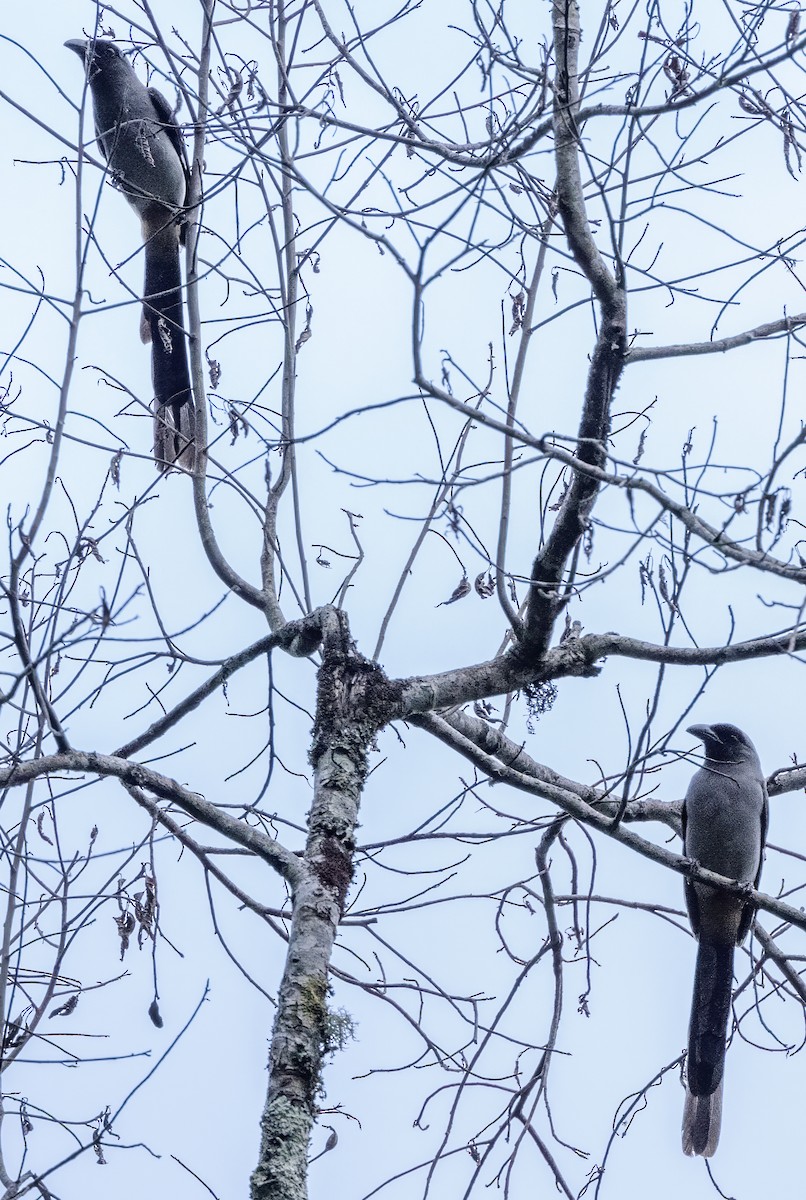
(204,1103)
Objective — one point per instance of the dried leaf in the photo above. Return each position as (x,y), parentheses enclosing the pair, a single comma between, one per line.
(639,454)
(645,574)
(306,335)
(458,593)
(678,76)
(663,588)
(518,309)
(104,1126)
(145,909)
(39,820)
(769,503)
(783,515)
(126,926)
(214,370)
(790,143)
(68,1007)
(792,26)
(747,105)
(235,89)
(238,424)
(484,585)
(13,1035)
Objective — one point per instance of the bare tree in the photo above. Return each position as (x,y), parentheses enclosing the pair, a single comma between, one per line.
(531,302)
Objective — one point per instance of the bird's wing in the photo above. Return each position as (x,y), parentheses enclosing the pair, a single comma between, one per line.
(748,916)
(688,887)
(166,115)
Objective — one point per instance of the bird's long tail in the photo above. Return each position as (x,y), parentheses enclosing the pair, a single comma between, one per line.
(710,1007)
(163,325)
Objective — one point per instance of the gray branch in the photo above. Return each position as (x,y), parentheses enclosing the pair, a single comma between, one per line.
(718,345)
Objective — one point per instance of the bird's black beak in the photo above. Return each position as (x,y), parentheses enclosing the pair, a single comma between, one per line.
(705,733)
(79,45)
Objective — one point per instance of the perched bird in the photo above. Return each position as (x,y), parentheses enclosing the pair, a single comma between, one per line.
(142,146)
(724,830)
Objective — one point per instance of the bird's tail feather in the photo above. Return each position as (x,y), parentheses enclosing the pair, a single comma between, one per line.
(702,1119)
(163,325)
(710,1007)
(174,436)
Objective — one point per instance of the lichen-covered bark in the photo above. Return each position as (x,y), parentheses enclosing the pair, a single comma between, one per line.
(352,702)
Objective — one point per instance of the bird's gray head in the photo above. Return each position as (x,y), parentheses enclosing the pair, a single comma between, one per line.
(725,743)
(96,55)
